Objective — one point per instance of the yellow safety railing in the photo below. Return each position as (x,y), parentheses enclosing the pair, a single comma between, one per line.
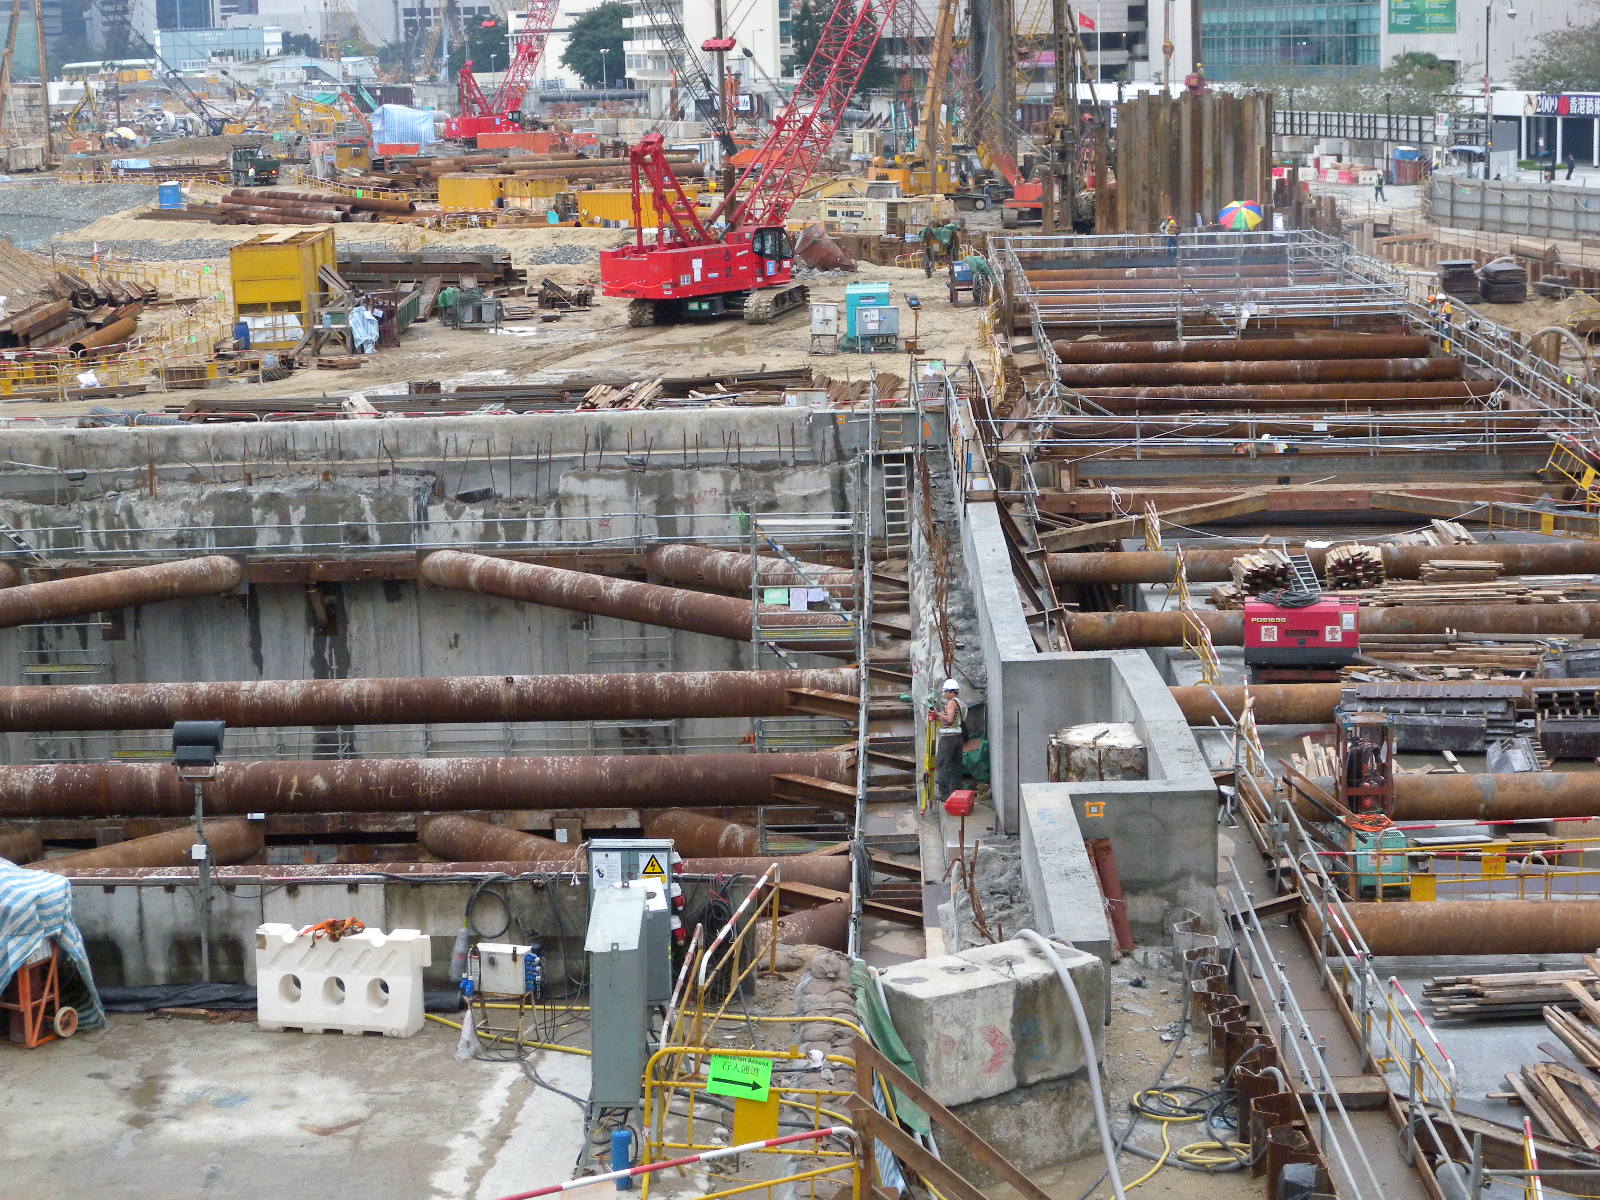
(682,1117)
(1501,869)
(1577,465)
(1196,634)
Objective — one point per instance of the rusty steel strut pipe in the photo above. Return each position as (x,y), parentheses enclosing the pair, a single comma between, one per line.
(1206,565)
(82,594)
(230,842)
(1234,350)
(1313,703)
(820,870)
(412,784)
(1477,927)
(456,838)
(700,834)
(468,698)
(580,591)
(1533,796)
(728,571)
(1135,630)
(826,925)
(1325,370)
(1440,389)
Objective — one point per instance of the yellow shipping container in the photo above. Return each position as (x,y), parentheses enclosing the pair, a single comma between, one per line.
(465,192)
(534,194)
(275,285)
(600,205)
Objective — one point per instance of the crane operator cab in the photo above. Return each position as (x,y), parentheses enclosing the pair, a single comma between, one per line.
(773,247)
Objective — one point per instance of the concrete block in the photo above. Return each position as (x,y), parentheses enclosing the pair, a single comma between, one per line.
(367,982)
(955,1017)
(1043,1031)
(1035,1128)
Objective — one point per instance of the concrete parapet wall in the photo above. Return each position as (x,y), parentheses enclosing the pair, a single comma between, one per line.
(1162,829)
(1060,877)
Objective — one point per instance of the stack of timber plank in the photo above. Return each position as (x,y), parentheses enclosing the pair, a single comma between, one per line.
(1261,571)
(1561,1094)
(1354,566)
(1515,994)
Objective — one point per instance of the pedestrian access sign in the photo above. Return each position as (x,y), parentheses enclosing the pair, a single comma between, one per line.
(740,1078)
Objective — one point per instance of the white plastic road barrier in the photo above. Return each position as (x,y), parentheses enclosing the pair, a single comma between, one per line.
(368,982)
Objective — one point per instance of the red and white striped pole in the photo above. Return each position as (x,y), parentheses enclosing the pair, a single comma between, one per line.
(705,1156)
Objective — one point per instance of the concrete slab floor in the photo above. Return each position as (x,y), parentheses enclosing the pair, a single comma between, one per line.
(185,1110)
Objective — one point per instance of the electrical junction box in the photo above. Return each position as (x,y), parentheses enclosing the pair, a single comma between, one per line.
(617,862)
(824,319)
(877,322)
(1327,633)
(619,1005)
(508,970)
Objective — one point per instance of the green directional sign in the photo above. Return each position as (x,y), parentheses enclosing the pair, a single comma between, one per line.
(741,1078)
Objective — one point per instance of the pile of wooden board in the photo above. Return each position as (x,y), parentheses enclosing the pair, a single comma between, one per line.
(1354,566)
(1260,571)
(641,394)
(1516,994)
(1501,591)
(1561,1094)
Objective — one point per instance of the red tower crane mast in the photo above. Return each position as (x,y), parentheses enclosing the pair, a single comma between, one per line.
(741,259)
(502,113)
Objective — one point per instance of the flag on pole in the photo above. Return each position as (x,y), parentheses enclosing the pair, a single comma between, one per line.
(1085,21)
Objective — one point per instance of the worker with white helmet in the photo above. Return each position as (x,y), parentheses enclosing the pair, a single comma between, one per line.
(950,716)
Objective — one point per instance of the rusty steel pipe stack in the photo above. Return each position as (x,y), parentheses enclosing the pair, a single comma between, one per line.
(1314,370)
(1204,564)
(1479,927)
(729,571)
(1236,350)
(467,698)
(1321,423)
(1439,389)
(230,842)
(700,835)
(377,204)
(78,595)
(413,785)
(580,591)
(1141,630)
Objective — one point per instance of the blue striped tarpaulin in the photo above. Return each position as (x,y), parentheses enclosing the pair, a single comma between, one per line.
(36,908)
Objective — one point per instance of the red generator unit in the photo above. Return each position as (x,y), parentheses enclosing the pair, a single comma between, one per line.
(1287,642)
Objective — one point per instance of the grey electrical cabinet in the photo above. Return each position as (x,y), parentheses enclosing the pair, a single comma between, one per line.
(657,942)
(619,1010)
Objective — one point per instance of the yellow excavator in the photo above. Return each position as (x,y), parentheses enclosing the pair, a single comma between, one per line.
(83,115)
(911,170)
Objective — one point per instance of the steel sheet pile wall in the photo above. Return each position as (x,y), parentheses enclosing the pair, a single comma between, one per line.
(1193,154)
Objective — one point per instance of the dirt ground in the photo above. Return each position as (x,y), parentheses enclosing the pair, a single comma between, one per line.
(598,341)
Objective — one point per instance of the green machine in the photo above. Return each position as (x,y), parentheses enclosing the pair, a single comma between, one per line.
(1375,862)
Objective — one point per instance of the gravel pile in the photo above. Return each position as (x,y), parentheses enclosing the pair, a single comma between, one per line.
(31,214)
(153,251)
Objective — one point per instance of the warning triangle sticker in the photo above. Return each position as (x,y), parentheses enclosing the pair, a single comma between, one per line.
(653,867)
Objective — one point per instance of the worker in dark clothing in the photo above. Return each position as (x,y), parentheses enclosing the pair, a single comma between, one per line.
(1572,162)
(1377,185)
(948,716)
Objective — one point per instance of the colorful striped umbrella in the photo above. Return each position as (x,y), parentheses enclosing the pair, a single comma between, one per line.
(1241,214)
